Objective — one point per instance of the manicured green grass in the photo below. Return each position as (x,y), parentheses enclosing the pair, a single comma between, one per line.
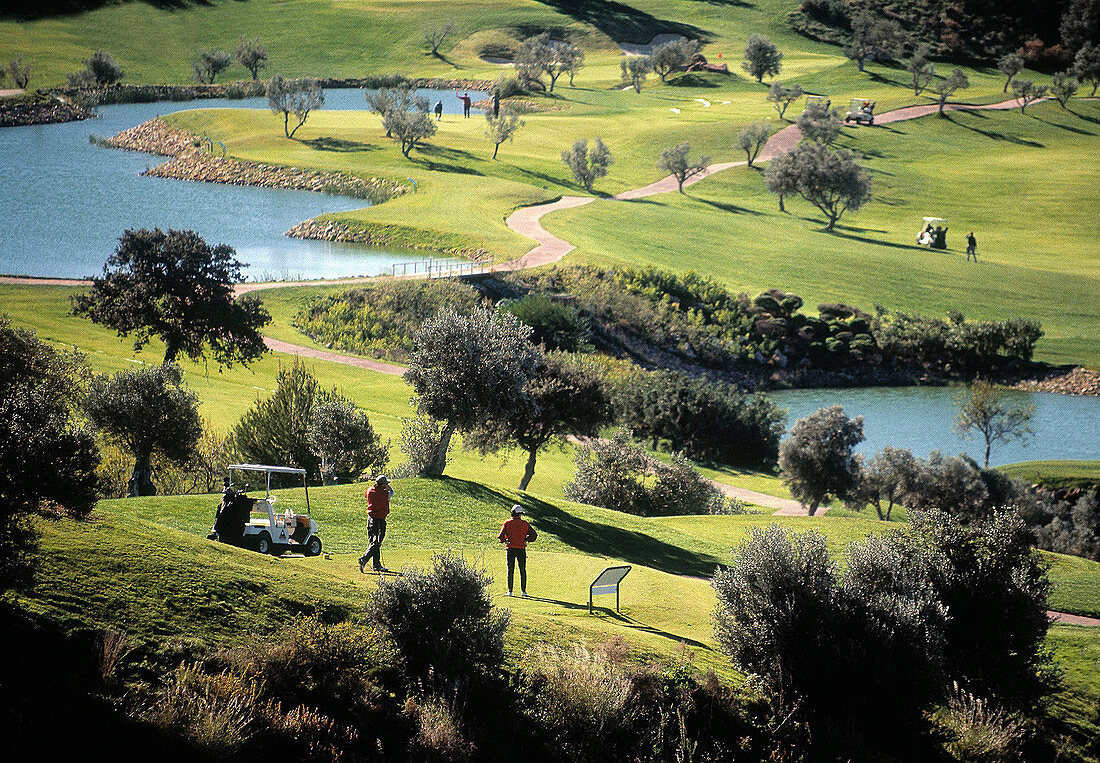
(1055,473)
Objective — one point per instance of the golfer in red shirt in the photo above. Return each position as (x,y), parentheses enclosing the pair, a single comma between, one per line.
(515,535)
(378,508)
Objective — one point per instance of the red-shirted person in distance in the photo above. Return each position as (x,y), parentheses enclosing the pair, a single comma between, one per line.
(515,535)
(378,508)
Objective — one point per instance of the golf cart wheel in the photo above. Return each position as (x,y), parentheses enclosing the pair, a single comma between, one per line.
(263,544)
(313,546)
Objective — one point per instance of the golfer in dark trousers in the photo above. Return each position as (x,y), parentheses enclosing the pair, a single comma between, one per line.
(515,535)
(378,508)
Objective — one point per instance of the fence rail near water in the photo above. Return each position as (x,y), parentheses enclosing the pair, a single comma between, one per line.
(442,268)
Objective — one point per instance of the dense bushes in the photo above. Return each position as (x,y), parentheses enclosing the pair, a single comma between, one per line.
(381,319)
(707,421)
(616,474)
(910,614)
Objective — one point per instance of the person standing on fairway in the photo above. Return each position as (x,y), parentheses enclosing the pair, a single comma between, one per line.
(378,508)
(438,110)
(971,247)
(515,535)
(465,98)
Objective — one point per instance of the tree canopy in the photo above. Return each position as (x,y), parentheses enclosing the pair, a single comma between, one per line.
(294,96)
(145,410)
(818,459)
(762,57)
(176,287)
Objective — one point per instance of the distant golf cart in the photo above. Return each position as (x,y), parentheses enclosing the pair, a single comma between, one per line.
(934,233)
(818,100)
(861,111)
(253,523)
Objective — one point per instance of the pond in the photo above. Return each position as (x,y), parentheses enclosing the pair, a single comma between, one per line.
(67,201)
(921,418)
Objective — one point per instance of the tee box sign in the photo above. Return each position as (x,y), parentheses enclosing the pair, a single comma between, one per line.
(608,582)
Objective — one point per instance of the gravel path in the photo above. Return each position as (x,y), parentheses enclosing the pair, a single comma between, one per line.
(786,507)
(1062,617)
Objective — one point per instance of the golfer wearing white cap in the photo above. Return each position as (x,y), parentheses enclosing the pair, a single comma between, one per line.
(515,535)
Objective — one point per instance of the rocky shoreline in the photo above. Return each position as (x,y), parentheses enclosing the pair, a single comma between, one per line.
(1078,381)
(39,110)
(192,160)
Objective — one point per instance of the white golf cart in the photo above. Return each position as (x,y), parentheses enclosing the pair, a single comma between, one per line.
(861,111)
(269,530)
(933,233)
(824,102)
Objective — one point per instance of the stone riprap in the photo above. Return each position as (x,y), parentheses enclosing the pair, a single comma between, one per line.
(1079,381)
(192,161)
(45,110)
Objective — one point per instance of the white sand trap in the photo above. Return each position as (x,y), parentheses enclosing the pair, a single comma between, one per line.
(644,50)
(704,101)
(674,110)
(726,103)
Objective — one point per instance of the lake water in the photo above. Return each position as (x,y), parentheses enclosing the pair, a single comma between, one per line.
(920,419)
(67,201)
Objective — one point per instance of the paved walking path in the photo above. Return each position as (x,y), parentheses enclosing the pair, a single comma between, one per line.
(1062,617)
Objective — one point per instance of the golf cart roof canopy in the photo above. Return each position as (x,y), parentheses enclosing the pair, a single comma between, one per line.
(273,469)
(935,219)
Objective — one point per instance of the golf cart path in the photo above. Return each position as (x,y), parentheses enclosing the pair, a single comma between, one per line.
(551,248)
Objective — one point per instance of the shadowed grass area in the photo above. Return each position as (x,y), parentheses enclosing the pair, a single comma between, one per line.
(1055,473)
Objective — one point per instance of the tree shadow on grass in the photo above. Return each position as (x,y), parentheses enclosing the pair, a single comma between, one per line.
(621,22)
(597,538)
(629,622)
(1085,117)
(878,242)
(991,133)
(442,159)
(726,207)
(544,177)
(339,145)
(1068,128)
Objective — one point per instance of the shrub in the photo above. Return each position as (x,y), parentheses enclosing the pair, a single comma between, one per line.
(617,474)
(381,319)
(442,622)
(438,733)
(340,433)
(215,712)
(578,693)
(979,731)
(419,440)
(557,326)
(818,459)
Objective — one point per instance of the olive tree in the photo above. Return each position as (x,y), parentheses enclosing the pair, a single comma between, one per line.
(985,408)
(1086,65)
(945,87)
(389,99)
(294,96)
(873,37)
(676,161)
(45,456)
(782,96)
(541,55)
(100,69)
(1010,64)
(176,287)
(672,55)
(252,55)
(818,460)
(409,127)
(341,436)
(921,71)
(830,180)
(209,64)
(633,71)
(752,139)
(1063,86)
(435,34)
(469,371)
(780,177)
(819,123)
(502,127)
(1026,92)
(587,164)
(142,411)
(20,72)
(762,57)
(887,480)
(561,399)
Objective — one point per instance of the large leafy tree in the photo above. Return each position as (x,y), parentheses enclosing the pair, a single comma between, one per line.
(341,435)
(830,180)
(469,371)
(44,455)
(178,288)
(294,96)
(762,57)
(561,399)
(676,161)
(143,411)
(818,459)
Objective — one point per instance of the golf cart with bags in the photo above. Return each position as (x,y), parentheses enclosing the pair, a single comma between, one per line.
(824,102)
(861,111)
(254,523)
(934,233)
